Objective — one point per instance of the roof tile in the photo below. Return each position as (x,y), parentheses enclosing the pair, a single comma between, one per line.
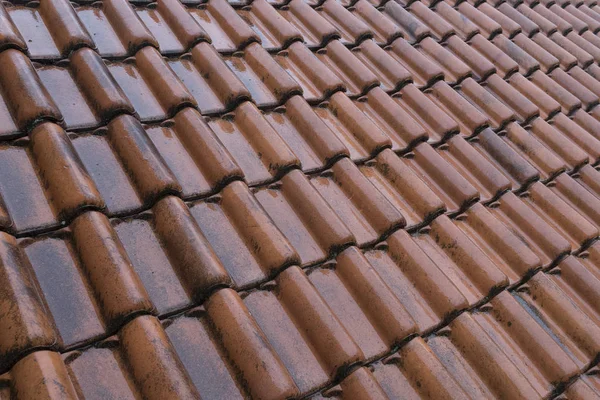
(568,102)
(480,173)
(359,195)
(545,161)
(463,27)
(305,218)
(404,188)
(430,285)
(480,65)
(574,17)
(528,27)
(194,154)
(21,306)
(255,145)
(69,187)
(547,106)
(9,35)
(584,58)
(422,67)
(438,125)
(544,240)
(487,26)
(574,328)
(471,265)
(357,78)
(386,66)
(352,29)
(315,29)
(566,59)
(588,98)
(454,189)
(413,30)
(364,210)
(382,27)
(227,30)
(357,300)
(510,28)
(549,13)
(274,30)
(23,95)
(546,26)
(67,31)
(33,194)
(527,63)
(316,79)
(572,225)
(585,387)
(312,140)
(579,136)
(393,119)
(499,114)
(440,29)
(510,162)
(502,245)
(470,120)
(562,147)
(127,25)
(586,44)
(577,196)
(524,110)
(360,134)
(455,70)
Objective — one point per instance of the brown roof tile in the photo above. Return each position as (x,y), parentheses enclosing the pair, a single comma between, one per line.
(316,79)
(315,29)
(292,199)
(274,30)
(382,27)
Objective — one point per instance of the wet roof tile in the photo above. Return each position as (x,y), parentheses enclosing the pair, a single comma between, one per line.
(373,199)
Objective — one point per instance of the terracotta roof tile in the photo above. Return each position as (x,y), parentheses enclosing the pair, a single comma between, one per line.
(487,26)
(397,122)
(422,67)
(315,29)
(316,79)
(480,65)
(404,188)
(311,138)
(510,28)
(381,25)
(463,27)
(527,25)
(357,78)
(274,30)
(292,199)
(547,61)
(519,171)
(413,29)
(499,114)
(10,36)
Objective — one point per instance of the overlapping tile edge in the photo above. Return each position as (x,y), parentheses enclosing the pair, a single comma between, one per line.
(551,167)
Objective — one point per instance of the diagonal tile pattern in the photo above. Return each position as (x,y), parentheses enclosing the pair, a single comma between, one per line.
(278,199)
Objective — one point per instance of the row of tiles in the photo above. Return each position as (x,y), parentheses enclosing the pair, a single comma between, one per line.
(97,273)
(310,328)
(86,91)
(52,29)
(528,50)
(124,168)
(349,3)
(494,352)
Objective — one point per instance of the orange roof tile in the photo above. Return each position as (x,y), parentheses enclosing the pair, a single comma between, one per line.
(335,199)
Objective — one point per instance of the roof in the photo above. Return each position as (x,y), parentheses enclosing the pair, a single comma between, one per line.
(276,199)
